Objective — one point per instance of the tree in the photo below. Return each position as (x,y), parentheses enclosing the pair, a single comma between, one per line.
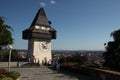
(5,55)
(5,34)
(112,54)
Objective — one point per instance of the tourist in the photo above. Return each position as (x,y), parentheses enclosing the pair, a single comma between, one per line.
(29,59)
(49,62)
(56,66)
(18,64)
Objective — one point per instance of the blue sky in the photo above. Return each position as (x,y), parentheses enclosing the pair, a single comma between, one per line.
(80,24)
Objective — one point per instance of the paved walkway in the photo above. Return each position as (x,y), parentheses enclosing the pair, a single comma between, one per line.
(44,73)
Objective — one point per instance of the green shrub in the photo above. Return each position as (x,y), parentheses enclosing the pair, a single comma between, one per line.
(105,68)
(14,75)
(7,78)
(3,77)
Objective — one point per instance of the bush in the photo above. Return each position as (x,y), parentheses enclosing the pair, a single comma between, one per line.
(68,64)
(105,68)
(3,77)
(14,75)
(2,71)
(7,78)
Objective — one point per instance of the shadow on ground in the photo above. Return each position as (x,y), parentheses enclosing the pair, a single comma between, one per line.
(79,76)
(30,65)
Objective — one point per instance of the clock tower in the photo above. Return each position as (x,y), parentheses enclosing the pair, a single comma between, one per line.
(39,36)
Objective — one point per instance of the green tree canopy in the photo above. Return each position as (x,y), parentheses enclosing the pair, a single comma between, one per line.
(5,34)
(112,54)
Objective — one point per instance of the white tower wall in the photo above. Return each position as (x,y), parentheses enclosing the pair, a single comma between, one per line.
(40,55)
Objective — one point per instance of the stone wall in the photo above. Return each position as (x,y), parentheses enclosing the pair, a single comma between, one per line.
(12,64)
(101,74)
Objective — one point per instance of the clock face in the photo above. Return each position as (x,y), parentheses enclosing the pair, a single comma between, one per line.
(44,46)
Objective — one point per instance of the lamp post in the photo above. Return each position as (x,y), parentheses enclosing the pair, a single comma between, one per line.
(10,48)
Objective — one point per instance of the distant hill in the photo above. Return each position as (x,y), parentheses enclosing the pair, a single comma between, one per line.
(68,51)
(78,51)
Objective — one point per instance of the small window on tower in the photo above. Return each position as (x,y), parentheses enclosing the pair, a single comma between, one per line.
(37,27)
(48,29)
(43,28)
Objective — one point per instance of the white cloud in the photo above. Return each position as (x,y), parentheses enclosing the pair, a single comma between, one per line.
(52,2)
(42,4)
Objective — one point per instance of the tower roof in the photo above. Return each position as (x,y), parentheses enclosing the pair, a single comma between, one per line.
(40,18)
(42,22)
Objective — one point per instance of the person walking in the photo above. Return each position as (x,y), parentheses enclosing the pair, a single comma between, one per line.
(56,66)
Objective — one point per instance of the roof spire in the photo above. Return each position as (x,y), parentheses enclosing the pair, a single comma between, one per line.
(40,18)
